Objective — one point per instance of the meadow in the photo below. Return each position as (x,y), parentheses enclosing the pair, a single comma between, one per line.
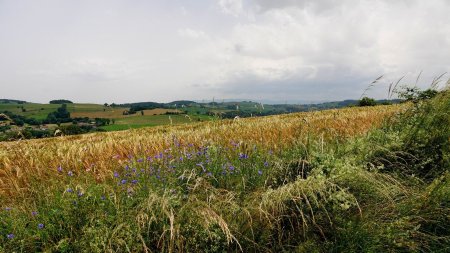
(362,179)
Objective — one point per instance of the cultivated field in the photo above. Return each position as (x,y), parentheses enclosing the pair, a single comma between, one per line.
(362,179)
(21,159)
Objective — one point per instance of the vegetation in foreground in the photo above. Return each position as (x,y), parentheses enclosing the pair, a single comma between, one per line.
(385,191)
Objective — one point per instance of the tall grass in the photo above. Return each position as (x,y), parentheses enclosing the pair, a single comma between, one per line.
(310,182)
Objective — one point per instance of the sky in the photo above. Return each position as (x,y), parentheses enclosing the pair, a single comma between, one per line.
(264,50)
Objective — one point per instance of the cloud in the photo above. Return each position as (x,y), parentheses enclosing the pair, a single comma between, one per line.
(193,34)
(232,7)
(162,50)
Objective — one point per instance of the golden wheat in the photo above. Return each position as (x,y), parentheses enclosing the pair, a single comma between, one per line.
(100,153)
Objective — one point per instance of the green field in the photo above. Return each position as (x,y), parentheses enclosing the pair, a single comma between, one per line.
(121,122)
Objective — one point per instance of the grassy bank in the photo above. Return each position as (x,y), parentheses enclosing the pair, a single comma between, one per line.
(311,183)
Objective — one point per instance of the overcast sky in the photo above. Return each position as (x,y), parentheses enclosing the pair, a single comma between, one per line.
(283,50)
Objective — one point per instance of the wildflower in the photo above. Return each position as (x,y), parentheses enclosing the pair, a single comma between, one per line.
(70,173)
(134,181)
(34,213)
(69,190)
(8,208)
(266,164)
(243,156)
(116,174)
(231,168)
(80,194)
(10,236)
(127,167)
(40,226)
(124,181)
(181,159)
(60,169)
(260,172)
(209,174)
(140,160)
(103,197)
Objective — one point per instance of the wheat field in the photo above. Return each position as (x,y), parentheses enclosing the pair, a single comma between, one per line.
(99,152)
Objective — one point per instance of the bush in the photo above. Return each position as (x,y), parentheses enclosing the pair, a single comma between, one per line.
(365,101)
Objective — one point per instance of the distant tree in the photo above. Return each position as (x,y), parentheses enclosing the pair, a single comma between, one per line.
(142,113)
(60,115)
(61,101)
(414,94)
(365,101)
(105,104)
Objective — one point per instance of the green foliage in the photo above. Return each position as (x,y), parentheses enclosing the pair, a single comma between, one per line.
(387,191)
(365,101)
(61,101)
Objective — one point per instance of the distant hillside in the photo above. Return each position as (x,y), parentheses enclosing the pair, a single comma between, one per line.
(12,101)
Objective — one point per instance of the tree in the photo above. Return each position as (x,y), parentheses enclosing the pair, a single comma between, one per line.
(365,101)
(61,101)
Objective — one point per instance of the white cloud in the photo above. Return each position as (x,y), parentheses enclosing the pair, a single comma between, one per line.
(193,34)
(284,49)
(232,7)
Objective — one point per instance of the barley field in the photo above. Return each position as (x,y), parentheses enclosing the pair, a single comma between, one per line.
(93,153)
(361,179)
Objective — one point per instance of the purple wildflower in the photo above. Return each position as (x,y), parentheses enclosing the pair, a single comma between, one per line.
(70,173)
(69,190)
(231,168)
(243,156)
(80,194)
(124,181)
(260,172)
(34,213)
(10,236)
(8,208)
(60,169)
(134,181)
(266,164)
(140,160)
(40,226)
(116,174)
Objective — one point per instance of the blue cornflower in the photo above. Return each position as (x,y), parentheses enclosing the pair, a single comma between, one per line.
(243,156)
(40,226)
(10,236)
(116,174)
